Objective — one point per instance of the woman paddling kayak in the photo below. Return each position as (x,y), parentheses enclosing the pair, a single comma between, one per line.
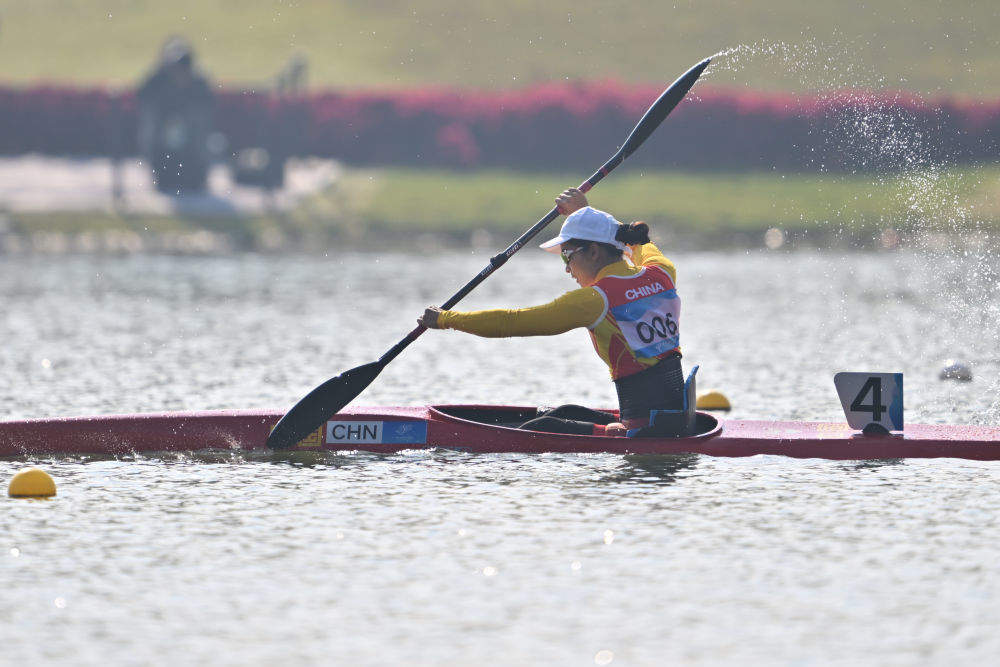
(631,310)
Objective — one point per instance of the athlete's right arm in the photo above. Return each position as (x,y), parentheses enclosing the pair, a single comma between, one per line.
(579,308)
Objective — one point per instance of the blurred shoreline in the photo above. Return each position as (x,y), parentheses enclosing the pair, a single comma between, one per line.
(268,238)
(59,206)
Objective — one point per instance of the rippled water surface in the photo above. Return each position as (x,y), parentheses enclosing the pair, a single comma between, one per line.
(447,558)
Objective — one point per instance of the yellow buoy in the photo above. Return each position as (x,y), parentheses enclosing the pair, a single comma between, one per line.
(31,483)
(713,399)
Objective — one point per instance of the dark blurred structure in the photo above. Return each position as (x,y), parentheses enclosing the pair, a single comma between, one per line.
(175,120)
(261,161)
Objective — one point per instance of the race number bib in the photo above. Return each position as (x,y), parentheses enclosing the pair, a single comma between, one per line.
(650,324)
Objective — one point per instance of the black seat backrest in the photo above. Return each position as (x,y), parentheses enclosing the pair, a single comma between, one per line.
(690,402)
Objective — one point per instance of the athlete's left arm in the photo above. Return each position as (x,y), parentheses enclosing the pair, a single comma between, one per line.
(578,308)
(648,254)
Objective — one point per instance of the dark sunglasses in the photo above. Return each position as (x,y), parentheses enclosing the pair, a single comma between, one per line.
(568,254)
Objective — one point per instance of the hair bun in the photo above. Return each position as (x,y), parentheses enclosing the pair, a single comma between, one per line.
(636,233)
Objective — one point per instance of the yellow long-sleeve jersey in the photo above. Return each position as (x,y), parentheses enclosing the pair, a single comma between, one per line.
(582,307)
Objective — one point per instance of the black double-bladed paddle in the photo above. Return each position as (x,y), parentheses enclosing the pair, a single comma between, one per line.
(330,397)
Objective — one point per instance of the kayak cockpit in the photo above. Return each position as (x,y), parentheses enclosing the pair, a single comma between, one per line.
(505,416)
(509,416)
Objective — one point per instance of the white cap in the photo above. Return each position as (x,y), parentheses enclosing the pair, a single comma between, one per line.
(586,224)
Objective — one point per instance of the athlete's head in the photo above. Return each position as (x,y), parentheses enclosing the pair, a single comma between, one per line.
(591,239)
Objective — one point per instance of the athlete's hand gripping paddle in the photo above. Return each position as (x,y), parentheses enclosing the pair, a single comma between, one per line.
(330,397)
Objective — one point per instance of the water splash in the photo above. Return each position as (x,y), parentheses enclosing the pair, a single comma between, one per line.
(815,65)
(896,138)
(899,141)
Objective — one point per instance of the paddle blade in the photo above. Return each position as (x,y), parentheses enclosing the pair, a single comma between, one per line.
(662,107)
(322,403)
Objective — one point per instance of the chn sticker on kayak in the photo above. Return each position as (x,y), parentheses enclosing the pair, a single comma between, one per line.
(376,432)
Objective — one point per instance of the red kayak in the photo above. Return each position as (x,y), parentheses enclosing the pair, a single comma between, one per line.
(480,429)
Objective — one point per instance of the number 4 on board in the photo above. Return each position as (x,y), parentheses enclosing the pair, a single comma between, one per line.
(871,398)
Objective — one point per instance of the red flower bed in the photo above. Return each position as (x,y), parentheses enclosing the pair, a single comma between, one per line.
(63,121)
(572,126)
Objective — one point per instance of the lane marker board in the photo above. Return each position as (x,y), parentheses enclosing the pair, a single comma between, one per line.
(871,398)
